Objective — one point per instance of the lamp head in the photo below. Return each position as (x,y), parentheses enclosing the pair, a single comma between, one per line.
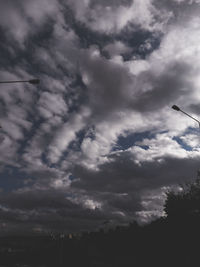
(176,108)
(34,81)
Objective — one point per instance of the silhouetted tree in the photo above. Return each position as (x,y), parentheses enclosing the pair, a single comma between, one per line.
(185,202)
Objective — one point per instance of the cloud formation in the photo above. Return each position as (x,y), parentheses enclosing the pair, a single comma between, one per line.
(109,71)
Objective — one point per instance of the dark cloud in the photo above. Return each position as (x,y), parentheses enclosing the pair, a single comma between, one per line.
(164,89)
(108,84)
(112,3)
(47,210)
(123,174)
(122,185)
(38,199)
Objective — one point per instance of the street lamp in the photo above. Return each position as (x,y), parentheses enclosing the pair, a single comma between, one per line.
(32,81)
(178,109)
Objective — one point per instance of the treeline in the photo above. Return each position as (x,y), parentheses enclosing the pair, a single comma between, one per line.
(169,241)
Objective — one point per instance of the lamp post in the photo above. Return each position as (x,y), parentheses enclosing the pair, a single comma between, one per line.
(178,109)
(32,81)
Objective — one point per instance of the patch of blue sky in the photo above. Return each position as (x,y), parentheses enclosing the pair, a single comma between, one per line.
(182,143)
(88,37)
(78,95)
(29,134)
(190,130)
(138,40)
(72,177)
(12,178)
(125,142)
(74,146)
(23,56)
(87,132)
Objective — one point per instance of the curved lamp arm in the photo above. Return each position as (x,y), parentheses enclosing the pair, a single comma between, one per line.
(178,109)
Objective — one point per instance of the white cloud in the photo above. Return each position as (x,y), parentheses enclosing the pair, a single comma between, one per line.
(52,103)
(8,151)
(192,140)
(117,48)
(159,147)
(114,17)
(22,18)
(67,134)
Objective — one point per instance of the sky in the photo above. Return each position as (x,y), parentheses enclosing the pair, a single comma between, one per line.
(97,139)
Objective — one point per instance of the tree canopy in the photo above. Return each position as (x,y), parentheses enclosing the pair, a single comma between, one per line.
(185,202)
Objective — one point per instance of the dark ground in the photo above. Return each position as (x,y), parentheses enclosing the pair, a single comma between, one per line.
(165,242)
(171,241)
